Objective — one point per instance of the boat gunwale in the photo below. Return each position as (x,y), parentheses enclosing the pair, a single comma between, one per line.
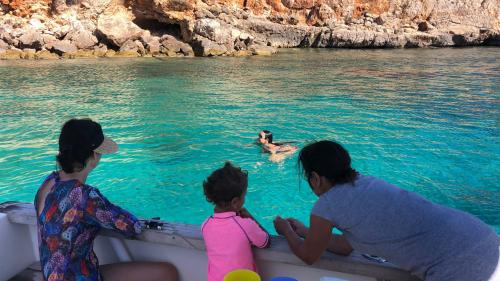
(189,236)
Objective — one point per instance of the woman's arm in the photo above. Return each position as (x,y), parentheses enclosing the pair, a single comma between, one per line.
(100,211)
(338,243)
(315,243)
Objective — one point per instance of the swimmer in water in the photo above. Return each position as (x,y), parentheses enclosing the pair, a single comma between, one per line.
(278,150)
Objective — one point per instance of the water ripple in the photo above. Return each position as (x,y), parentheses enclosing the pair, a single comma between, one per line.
(422,119)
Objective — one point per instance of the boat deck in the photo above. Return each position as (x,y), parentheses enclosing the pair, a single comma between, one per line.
(32,273)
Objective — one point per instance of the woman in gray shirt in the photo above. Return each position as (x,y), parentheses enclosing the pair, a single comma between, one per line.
(431,241)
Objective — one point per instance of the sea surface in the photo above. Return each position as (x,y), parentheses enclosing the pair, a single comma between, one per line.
(426,120)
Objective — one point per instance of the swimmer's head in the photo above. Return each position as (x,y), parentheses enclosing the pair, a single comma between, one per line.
(265,136)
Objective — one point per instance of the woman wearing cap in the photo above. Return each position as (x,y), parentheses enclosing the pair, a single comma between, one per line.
(70,213)
(431,241)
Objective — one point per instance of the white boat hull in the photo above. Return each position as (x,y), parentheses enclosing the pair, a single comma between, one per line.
(181,245)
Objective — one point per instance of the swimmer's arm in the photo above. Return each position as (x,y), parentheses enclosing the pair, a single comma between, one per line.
(271,149)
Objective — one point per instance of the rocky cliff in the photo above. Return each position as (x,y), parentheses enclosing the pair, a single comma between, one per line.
(87,28)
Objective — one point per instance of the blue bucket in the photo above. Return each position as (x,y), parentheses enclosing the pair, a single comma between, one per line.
(283,278)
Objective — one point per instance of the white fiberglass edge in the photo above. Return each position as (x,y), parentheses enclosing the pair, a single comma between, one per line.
(16,248)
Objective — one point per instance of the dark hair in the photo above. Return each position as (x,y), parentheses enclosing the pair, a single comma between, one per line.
(224,184)
(78,139)
(328,159)
(267,135)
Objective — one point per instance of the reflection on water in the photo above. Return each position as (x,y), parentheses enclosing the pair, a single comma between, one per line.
(426,120)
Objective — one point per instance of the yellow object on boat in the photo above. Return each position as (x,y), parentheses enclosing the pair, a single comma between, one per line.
(242,275)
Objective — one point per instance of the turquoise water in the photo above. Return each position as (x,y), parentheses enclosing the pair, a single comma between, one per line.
(426,120)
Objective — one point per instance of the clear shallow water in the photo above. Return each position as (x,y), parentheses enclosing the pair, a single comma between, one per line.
(426,120)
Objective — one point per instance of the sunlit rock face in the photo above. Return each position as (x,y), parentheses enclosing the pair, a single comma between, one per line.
(242,27)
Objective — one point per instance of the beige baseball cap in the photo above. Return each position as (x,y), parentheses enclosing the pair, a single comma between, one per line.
(107,146)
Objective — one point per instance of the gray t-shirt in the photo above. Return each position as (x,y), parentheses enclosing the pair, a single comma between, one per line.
(431,241)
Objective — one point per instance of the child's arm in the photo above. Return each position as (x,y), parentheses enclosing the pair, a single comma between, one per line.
(255,231)
(244,213)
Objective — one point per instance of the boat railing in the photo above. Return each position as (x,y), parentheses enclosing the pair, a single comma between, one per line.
(189,236)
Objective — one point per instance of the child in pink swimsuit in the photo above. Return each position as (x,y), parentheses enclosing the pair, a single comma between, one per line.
(231,231)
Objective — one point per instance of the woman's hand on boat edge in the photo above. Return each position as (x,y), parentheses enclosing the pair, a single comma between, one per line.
(298,227)
(282,226)
(295,225)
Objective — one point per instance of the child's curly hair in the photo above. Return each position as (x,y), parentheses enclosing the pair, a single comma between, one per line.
(224,184)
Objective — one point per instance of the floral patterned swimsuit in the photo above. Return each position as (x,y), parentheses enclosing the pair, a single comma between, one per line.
(67,226)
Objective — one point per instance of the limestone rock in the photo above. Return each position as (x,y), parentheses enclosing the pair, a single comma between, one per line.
(172,47)
(277,35)
(461,40)
(425,26)
(153,46)
(48,40)
(45,55)
(98,6)
(213,27)
(61,31)
(443,40)
(58,6)
(276,18)
(459,29)
(226,18)
(31,39)
(202,13)
(131,47)
(110,53)
(117,30)
(36,24)
(29,54)
(260,50)
(8,38)
(213,30)
(84,54)
(206,48)
(215,10)
(323,40)
(298,4)
(319,15)
(381,19)
(100,50)
(240,45)
(177,5)
(242,53)
(187,50)
(3,45)
(419,40)
(126,54)
(11,54)
(354,38)
(64,47)
(493,38)
(293,20)
(82,39)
